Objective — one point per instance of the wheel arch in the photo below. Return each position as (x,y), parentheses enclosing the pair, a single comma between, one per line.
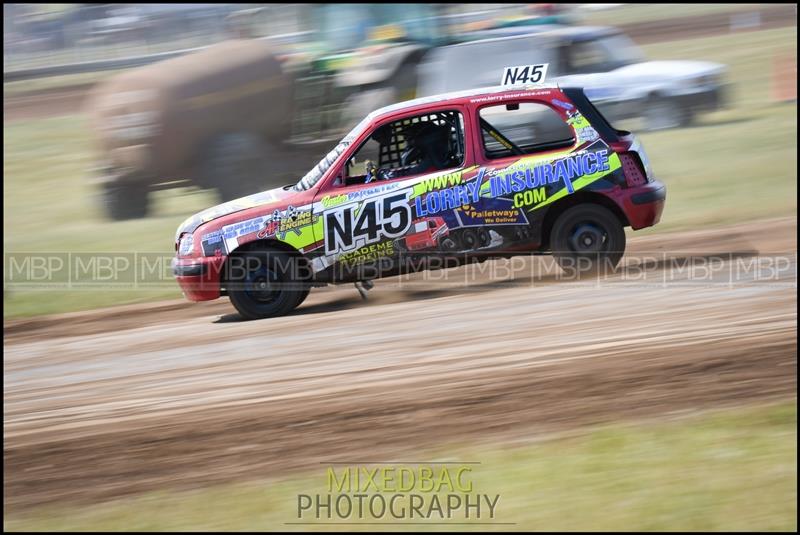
(262,245)
(579,197)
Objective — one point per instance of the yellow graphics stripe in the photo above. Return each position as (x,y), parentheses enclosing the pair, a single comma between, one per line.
(582,182)
(440,180)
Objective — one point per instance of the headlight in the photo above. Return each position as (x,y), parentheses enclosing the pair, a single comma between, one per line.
(185,245)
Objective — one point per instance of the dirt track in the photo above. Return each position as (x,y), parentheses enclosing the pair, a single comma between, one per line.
(99,406)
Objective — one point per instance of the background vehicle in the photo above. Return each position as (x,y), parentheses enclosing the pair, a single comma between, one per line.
(614,73)
(259,109)
(220,118)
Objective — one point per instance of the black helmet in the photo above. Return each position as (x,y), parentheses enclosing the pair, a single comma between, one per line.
(428,141)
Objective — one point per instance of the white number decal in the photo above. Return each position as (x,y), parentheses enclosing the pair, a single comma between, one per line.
(525,74)
(377,219)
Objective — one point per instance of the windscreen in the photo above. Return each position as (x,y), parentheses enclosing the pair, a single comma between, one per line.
(312,177)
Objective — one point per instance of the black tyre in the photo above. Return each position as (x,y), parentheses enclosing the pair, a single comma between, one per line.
(587,239)
(125,200)
(470,239)
(484,238)
(449,243)
(304,291)
(265,284)
(236,165)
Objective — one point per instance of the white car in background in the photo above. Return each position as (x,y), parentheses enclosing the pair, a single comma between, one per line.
(605,62)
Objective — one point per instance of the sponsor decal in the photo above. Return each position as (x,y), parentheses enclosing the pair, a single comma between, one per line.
(530,197)
(213,237)
(373,252)
(243,228)
(212,243)
(526,93)
(470,216)
(330,201)
(587,134)
(562,104)
(449,198)
(564,170)
(290,220)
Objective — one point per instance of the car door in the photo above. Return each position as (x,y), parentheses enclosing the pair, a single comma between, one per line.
(543,150)
(374,217)
(520,144)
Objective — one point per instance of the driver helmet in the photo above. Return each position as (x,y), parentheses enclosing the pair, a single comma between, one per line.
(431,142)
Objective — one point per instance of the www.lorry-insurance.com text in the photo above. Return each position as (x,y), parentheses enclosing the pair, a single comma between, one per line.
(398,493)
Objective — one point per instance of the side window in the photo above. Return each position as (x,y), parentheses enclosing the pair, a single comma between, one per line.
(409,146)
(523,128)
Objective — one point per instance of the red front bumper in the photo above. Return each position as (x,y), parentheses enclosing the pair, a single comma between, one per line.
(199,278)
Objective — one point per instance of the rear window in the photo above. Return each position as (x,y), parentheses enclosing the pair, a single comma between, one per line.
(523,128)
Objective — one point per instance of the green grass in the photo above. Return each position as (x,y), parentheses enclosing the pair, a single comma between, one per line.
(729,470)
(736,165)
(50,206)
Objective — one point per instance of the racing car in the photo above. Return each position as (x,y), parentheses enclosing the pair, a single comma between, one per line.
(478,163)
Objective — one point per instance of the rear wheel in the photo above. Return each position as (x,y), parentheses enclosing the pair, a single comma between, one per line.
(586,239)
(265,284)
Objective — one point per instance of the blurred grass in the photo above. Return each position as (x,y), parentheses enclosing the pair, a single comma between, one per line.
(66,82)
(735,165)
(727,470)
(50,206)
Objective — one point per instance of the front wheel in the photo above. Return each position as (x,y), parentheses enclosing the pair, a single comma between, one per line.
(587,239)
(265,284)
